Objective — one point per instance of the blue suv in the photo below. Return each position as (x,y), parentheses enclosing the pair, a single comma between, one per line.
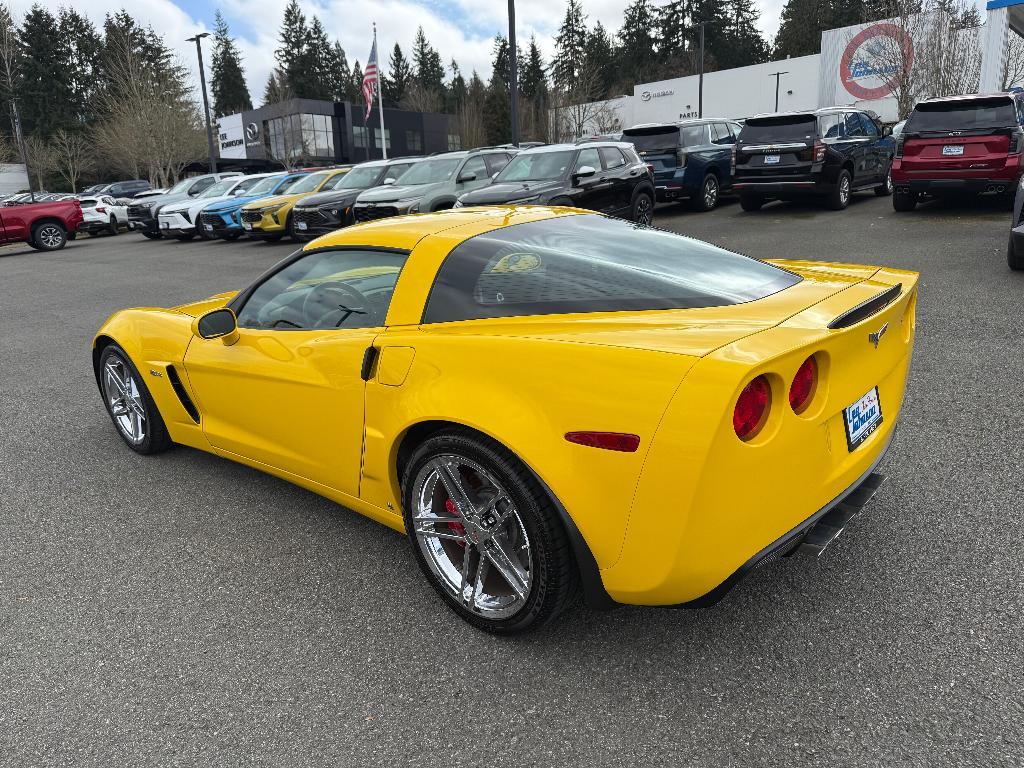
(692,159)
(222,219)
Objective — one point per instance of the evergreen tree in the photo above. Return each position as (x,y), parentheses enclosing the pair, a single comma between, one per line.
(570,47)
(45,93)
(319,56)
(533,80)
(427,64)
(230,93)
(497,112)
(357,83)
(83,46)
(742,41)
(637,43)
(676,38)
(341,75)
(293,54)
(276,89)
(400,76)
(456,91)
(599,59)
(800,27)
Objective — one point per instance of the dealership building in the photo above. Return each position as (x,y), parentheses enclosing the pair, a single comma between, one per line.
(847,72)
(316,132)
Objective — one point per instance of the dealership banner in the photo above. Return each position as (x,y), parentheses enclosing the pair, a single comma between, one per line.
(855,68)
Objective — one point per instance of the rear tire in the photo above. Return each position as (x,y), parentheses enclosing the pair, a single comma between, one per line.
(707,198)
(113,225)
(885,189)
(904,201)
(1014,260)
(521,535)
(839,195)
(48,236)
(642,210)
(751,203)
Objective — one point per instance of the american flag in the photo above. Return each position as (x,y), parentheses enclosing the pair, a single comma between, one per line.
(370,78)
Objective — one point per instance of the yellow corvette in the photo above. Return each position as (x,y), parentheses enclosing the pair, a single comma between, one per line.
(544,399)
(270,218)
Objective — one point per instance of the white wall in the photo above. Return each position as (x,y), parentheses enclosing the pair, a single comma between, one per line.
(13,178)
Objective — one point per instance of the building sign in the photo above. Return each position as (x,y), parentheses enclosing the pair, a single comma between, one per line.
(873,58)
(648,95)
(231,137)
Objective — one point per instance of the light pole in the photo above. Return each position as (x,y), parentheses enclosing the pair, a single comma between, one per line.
(700,82)
(206,101)
(778,77)
(513,72)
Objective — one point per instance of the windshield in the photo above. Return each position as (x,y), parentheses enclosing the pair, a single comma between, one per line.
(788,128)
(181,186)
(590,263)
(360,178)
(430,171)
(219,189)
(308,183)
(264,186)
(542,166)
(334,182)
(962,115)
(247,184)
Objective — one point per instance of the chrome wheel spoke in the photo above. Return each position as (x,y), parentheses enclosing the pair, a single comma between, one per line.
(465,592)
(482,567)
(508,570)
(448,472)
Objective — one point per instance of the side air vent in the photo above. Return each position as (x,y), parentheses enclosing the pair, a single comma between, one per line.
(868,308)
(179,390)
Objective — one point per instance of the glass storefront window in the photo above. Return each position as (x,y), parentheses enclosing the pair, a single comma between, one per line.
(294,137)
(414,141)
(376,137)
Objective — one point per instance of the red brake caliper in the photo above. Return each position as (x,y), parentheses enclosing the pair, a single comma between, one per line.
(457,528)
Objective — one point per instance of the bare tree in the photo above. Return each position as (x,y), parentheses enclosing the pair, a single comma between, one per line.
(9,57)
(420,99)
(39,159)
(1013,68)
(73,156)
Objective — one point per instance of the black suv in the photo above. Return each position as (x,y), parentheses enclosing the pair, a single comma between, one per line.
(830,152)
(327,211)
(604,176)
(125,188)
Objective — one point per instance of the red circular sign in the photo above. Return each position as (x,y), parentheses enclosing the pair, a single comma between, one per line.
(891,63)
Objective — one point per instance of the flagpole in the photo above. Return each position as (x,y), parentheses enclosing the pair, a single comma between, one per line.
(380,100)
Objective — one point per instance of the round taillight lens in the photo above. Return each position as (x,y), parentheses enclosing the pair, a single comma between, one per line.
(802,389)
(751,408)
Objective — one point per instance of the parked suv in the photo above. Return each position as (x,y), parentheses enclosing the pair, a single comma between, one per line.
(142,215)
(124,188)
(327,211)
(433,184)
(830,153)
(959,144)
(180,220)
(607,177)
(692,159)
(224,219)
(271,218)
(44,226)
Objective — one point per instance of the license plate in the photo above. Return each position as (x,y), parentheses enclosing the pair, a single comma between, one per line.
(300,225)
(246,225)
(862,418)
(208,227)
(954,150)
(771,159)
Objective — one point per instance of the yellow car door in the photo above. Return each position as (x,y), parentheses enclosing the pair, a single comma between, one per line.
(289,391)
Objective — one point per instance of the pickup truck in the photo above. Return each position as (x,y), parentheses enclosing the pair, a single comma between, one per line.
(44,226)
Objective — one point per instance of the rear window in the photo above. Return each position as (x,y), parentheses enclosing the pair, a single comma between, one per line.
(589,263)
(667,137)
(779,129)
(963,115)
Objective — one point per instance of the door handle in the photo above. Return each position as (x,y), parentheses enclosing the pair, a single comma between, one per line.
(369,360)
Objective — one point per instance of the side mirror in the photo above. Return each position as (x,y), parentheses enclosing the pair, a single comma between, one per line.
(388,182)
(585,172)
(887,130)
(467,176)
(218,324)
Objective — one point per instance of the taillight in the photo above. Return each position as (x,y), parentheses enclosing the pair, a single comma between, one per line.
(609,441)
(752,408)
(802,389)
(100,210)
(899,147)
(819,151)
(650,170)
(1015,141)
(681,157)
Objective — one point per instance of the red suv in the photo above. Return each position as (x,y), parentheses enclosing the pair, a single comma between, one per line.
(44,226)
(959,144)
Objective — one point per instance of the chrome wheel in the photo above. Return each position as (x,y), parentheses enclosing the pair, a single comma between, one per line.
(710,192)
(124,400)
(644,211)
(888,182)
(50,236)
(472,536)
(844,189)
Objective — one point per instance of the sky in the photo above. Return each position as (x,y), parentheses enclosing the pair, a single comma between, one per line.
(459,29)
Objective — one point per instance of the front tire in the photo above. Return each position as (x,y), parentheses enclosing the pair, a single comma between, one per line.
(839,196)
(884,190)
(751,203)
(48,236)
(486,534)
(642,210)
(129,403)
(904,201)
(707,198)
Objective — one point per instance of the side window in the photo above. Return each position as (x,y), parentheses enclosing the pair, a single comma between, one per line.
(734,129)
(720,134)
(200,186)
(475,165)
(853,127)
(588,157)
(325,290)
(497,162)
(828,126)
(394,171)
(870,129)
(612,158)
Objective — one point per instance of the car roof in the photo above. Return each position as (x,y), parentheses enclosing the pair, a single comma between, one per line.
(969,97)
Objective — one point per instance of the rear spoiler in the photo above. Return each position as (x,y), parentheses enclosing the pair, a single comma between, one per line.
(866,309)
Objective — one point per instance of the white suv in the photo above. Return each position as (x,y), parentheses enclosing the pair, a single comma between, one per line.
(102,213)
(179,219)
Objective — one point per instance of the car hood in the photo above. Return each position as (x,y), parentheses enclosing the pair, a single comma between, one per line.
(159,201)
(393,192)
(496,194)
(230,203)
(184,205)
(334,197)
(266,202)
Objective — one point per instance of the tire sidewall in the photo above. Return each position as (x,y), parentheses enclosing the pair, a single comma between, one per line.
(635,212)
(154,422)
(836,200)
(701,203)
(40,245)
(534,611)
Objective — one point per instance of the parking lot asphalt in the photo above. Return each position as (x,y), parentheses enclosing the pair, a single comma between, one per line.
(184,610)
